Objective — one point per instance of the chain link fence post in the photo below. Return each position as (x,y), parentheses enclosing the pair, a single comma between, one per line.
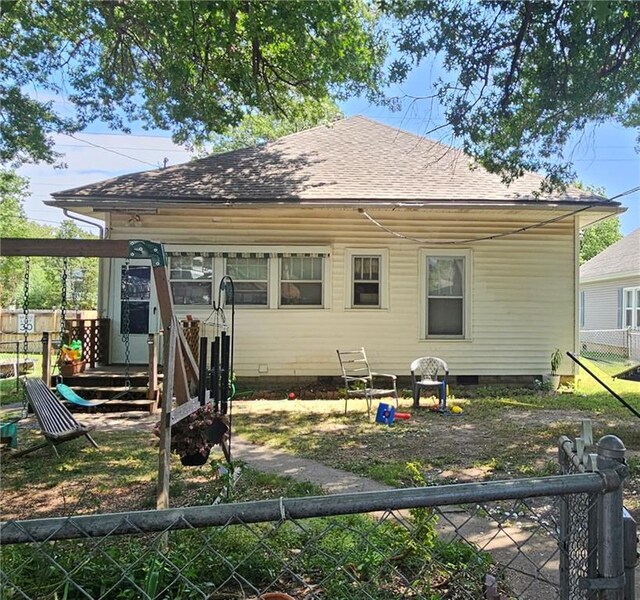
(630,555)
(612,465)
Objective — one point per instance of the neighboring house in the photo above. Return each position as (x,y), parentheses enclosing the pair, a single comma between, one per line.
(355,234)
(610,287)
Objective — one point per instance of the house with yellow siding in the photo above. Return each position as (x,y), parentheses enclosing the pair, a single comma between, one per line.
(348,235)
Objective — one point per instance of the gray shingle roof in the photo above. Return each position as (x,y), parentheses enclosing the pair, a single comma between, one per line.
(620,258)
(352,159)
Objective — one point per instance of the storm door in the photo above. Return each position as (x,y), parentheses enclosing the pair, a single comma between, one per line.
(134,310)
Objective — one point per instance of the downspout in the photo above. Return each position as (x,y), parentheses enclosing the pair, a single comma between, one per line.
(100,227)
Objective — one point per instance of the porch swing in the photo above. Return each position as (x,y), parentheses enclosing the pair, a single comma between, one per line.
(67,393)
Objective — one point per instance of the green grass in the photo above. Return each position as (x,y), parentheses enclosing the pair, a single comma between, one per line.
(121,475)
(8,392)
(348,558)
(502,433)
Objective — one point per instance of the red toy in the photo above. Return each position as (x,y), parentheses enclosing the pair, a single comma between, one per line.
(292,395)
(404,416)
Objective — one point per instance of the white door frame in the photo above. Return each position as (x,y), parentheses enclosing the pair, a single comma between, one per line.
(146,303)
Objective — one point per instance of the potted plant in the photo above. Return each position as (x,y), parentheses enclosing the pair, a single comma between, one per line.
(553,379)
(193,437)
(70,360)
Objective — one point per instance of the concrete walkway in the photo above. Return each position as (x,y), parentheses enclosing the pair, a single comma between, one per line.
(532,557)
(270,460)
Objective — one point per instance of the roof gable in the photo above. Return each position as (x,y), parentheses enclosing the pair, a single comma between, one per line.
(352,159)
(621,258)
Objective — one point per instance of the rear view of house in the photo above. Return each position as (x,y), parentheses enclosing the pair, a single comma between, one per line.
(349,235)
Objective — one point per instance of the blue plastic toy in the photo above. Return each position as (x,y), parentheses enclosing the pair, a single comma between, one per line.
(385,414)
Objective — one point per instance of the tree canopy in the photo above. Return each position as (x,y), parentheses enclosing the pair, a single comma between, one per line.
(13,223)
(523,77)
(259,128)
(520,78)
(598,237)
(190,67)
(45,273)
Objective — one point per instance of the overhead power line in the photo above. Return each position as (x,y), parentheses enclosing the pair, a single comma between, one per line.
(626,193)
(144,162)
(470,240)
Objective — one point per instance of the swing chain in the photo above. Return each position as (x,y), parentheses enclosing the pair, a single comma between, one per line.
(126,317)
(63,301)
(63,315)
(25,306)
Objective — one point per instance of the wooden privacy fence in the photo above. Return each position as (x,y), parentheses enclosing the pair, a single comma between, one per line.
(38,321)
(81,325)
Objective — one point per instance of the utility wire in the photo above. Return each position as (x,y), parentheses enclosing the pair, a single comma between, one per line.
(144,162)
(625,193)
(470,240)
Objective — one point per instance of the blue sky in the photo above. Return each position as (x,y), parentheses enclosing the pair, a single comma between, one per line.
(603,156)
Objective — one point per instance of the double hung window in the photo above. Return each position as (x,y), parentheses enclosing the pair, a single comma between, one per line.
(447,290)
(301,281)
(366,272)
(191,279)
(631,307)
(250,280)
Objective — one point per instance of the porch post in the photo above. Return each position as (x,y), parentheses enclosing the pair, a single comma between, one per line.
(46,357)
(152,342)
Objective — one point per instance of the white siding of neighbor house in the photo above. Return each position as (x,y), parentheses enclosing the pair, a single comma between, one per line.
(601,301)
(523,287)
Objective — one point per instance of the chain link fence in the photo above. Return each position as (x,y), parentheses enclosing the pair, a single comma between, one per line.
(19,358)
(613,349)
(539,538)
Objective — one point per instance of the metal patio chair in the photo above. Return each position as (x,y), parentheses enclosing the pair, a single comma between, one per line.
(360,380)
(430,372)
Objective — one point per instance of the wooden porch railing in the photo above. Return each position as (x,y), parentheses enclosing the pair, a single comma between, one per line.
(94,336)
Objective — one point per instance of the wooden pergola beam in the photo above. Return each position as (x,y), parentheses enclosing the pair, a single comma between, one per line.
(62,248)
(186,367)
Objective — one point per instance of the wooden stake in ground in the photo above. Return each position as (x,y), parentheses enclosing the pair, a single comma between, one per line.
(164,455)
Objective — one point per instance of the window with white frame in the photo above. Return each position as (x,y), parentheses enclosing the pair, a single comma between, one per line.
(631,307)
(366,278)
(301,281)
(250,279)
(264,276)
(447,291)
(191,279)
(366,281)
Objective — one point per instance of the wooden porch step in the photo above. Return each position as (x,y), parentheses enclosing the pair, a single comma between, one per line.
(117,406)
(90,380)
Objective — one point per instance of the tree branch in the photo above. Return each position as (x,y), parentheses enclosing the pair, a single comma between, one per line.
(524,26)
(620,61)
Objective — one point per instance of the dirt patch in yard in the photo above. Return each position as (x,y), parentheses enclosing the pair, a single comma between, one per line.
(493,438)
(487,441)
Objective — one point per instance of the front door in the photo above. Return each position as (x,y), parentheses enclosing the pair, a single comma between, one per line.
(135,298)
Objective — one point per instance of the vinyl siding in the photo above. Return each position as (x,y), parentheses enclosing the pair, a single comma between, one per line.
(523,296)
(601,302)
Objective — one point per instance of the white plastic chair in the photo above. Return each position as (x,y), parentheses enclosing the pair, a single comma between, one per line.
(430,372)
(360,380)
